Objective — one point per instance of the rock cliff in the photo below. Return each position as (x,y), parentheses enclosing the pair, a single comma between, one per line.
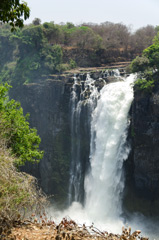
(48,103)
(143,163)
(49,106)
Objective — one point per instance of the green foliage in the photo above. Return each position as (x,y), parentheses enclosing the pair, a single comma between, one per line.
(145,85)
(7,46)
(68,31)
(36,21)
(36,56)
(54,58)
(53,33)
(70,25)
(152,53)
(149,58)
(63,67)
(29,54)
(84,37)
(14,12)
(72,64)
(30,38)
(14,127)
(132,132)
(148,65)
(139,64)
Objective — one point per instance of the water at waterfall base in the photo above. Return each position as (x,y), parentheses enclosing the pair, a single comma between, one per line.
(149,227)
(104,181)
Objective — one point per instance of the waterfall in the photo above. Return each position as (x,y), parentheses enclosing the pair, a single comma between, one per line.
(105,181)
(84,95)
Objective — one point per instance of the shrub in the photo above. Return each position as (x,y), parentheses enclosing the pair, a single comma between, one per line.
(63,67)
(139,64)
(152,53)
(18,191)
(145,85)
(14,129)
(72,64)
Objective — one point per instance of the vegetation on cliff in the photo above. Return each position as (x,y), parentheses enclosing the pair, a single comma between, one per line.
(22,140)
(38,50)
(18,191)
(18,144)
(147,66)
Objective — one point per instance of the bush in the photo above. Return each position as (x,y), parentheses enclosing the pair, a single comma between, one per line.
(139,64)
(63,67)
(72,64)
(18,143)
(18,191)
(152,53)
(14,129)
(145,85)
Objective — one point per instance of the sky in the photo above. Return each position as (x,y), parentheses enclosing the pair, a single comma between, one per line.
(134,13)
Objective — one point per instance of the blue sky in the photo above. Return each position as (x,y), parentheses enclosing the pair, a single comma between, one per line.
(137,13)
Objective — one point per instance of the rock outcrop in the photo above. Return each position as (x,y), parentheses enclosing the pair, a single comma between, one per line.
(143,163)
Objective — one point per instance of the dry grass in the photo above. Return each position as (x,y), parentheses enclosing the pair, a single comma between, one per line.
(19,193)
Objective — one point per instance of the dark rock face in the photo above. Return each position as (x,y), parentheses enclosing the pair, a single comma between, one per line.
(95,58)
(144,158)
(48,105)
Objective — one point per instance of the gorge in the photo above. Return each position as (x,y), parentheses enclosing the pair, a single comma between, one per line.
(62,109)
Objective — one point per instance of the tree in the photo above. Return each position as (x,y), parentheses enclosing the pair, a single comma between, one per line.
(148,65)
(53,33)
(85,38)
(36,21)
(139,64)
(142,38)
(149,58)
(22,140)
(152,53)
(14,12)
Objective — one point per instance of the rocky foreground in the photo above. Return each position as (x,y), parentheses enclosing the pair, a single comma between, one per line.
(66,230)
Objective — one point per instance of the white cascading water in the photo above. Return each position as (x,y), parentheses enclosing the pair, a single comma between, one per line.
(76,105)
(105,181)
